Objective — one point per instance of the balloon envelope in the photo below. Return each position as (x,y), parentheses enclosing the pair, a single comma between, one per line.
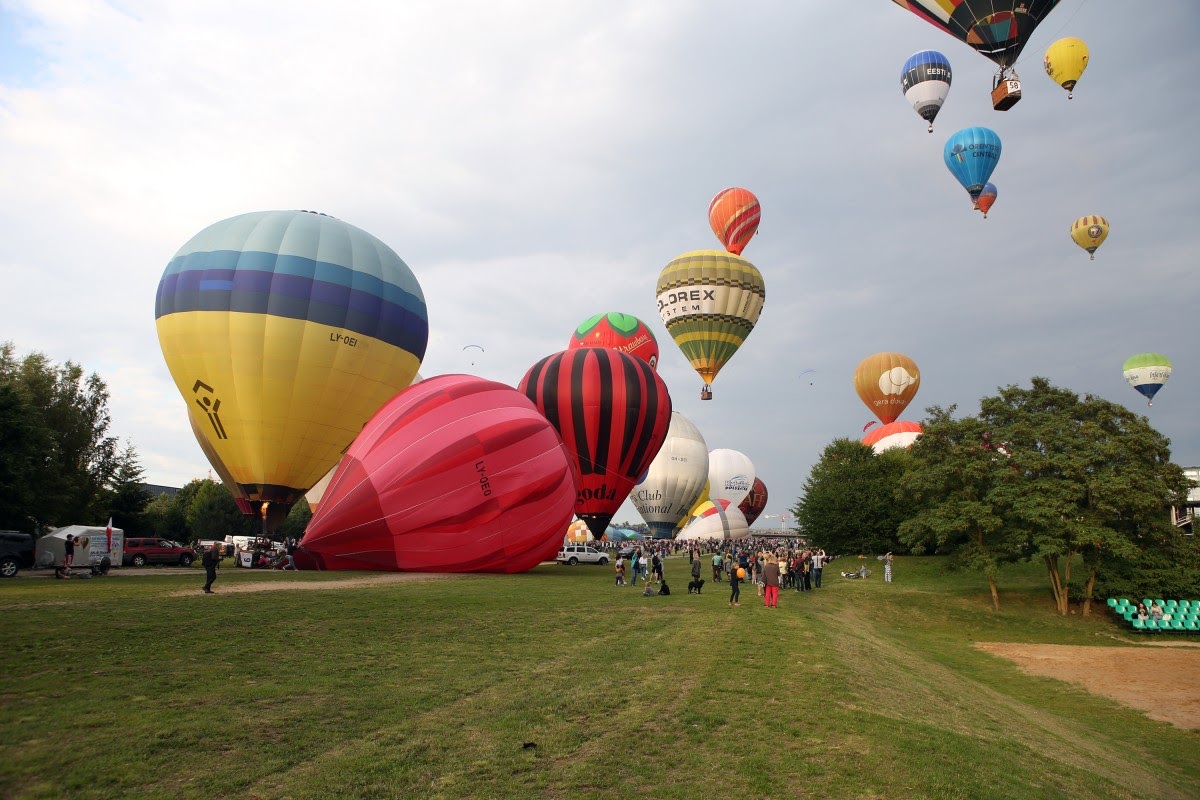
(710,301)
(1065,62)
(895,434)
(1147,372)
(578,533)
(284,332)
(887,383)
(675,479)
(971,154)
(986,198)
(925,81)
(734,215)
(755,502)
(997,29)
(1089,233)
(617,331)
(612,411)
(720,522)
(456,474)
(730,475)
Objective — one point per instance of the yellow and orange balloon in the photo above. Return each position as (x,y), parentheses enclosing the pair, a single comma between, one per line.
(1089,233)
(734,215)
(887,383)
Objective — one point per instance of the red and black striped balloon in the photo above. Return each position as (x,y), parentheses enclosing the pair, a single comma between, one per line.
(755,502)
(612,411)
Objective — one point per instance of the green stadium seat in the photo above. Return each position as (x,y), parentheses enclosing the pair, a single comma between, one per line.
(1112,602)
(1191,625)
(1169,604)
(1139,625)
(1146,601)
(1176,624)
(1162,603)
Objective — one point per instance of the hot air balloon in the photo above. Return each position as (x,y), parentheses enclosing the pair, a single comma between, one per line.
(730,475)
(895,434)
(986,198)
(717,521)
(613,413)
(709,302)
(997,29)
(577,533)
(925,80)
(886,383)
(734,215)
(1147,372)
(675,479)
(285,331)
(1065,62)
(618,331)
(457,474)
(1089,233)
(971,154)
(755,502)
(700,501)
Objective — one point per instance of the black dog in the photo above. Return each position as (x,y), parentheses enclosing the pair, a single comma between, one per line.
(696,586)
(663,588)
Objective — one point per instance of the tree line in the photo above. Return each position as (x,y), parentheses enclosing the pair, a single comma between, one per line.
(1082,485)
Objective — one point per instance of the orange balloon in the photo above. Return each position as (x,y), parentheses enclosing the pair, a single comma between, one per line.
(887,383)
(733,215)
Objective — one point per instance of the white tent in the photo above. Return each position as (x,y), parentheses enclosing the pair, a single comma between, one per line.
(51,548)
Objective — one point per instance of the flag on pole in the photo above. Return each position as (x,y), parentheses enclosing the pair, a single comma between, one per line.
(108,534)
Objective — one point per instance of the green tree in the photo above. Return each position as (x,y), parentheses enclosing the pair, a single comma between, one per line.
(164,516)
(848,504)
(125,498)
(296,522)
(212,514)
(22,442)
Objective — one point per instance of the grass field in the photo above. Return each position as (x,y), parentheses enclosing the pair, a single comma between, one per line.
(123,687)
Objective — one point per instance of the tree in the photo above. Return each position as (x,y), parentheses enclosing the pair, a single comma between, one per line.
(22,442)
(212,514)
(125,498)
(164,516)
(297,520)
(848,504)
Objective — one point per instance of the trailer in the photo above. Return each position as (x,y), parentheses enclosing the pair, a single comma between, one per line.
(90,552)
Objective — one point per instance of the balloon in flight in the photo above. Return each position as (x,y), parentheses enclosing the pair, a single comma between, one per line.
(730,475)
(925,81)
(618,331)
(755,502)
(1147,372)
(710,301)
(986,198)
(1065,62)
(613,412)
(734,215)
(284,331)
(886,383)
(971,154)
(900,433)
(1089,233)
(675,479)
(456,474)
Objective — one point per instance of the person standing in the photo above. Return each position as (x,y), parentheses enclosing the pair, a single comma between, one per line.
(290,548)
(696,571)
(735,579)
(211,559)
(887,568)
(716,565)
(771,583)
(69,552)
(818,564)
(634,567)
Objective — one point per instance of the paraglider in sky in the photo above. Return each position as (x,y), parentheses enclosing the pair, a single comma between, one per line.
(986,198)
(1065,62)
(971,154)
(869,424)
(730,475)
(755,502)
(456,474)
(473,350)
(804,372)
(675,479)
(710,301)
(925,80)
(285,331)
(997,29)
(1147,372)
(734,215)
(612,411)
(886,383)
(895,434)
(1089,233)
(618,331)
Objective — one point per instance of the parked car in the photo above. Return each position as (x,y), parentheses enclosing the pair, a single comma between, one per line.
(16,552)
(581,554)
(141,551)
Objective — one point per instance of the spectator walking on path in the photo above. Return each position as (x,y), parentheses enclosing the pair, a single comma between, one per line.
(211,559)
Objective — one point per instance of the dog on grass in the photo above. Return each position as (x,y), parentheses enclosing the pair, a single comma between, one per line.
(695,586)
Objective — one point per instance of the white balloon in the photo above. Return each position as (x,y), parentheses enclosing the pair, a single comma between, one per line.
(726,523)
(730,476)
(674,479)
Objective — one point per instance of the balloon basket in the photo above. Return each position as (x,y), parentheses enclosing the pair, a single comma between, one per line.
(706,393)
(1006,95)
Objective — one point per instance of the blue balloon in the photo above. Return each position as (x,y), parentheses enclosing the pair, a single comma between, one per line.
(925,81)
(971,154)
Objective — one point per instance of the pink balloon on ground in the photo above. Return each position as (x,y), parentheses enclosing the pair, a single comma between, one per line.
(455,474)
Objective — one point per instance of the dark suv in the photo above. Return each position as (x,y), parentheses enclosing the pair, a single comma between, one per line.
(16,552)
(140,551)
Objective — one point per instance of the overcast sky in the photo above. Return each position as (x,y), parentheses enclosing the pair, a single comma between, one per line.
(537,162)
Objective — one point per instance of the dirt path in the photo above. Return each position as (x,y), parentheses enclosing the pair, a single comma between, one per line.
(1163,681)
(323,586)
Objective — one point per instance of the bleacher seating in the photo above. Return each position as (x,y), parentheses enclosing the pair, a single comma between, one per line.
(1179,616)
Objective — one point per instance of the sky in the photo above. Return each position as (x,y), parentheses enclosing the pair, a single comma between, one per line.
(537,162)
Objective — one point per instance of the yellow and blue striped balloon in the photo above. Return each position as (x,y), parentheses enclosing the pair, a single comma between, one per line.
(285,331)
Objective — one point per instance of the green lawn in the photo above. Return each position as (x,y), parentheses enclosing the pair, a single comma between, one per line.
(118,688)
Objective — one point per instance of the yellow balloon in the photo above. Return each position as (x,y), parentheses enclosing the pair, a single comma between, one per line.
(285,331)
(1065,62)
(1089,233)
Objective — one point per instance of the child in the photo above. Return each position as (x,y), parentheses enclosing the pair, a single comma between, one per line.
(620,572)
